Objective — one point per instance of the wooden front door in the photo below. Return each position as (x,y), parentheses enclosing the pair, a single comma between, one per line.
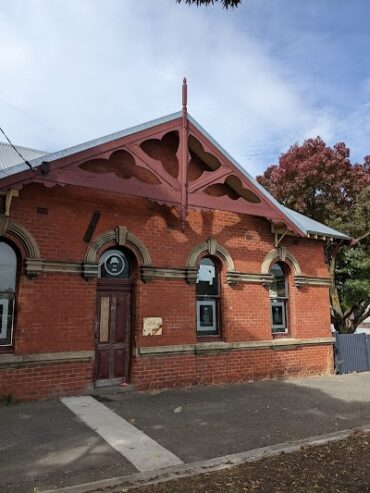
(113,330)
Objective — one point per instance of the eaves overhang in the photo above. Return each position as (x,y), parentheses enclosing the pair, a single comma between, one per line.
(17,176)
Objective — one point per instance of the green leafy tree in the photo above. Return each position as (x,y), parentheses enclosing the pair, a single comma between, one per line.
(320,181)
(351,269)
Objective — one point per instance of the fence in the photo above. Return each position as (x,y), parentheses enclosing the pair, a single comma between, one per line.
(352,352)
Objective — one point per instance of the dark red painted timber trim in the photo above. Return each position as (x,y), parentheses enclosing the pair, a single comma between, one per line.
(209,178)
(110,183)
(275,212)
(142,159)
(171,191)
(184,156)
(102,151)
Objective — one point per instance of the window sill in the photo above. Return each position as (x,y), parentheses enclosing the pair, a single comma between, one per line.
(209,338)
(6,349)
(8,359)
(202,347)
(280,335)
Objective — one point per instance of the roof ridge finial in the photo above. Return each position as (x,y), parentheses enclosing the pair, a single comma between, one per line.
(184,96)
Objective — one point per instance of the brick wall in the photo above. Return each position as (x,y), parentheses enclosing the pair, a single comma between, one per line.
(56,312)
(45,380)
(230,367)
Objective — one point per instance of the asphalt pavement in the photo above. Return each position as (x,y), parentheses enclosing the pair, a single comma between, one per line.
(45,445)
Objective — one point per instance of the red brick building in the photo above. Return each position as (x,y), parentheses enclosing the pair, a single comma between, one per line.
(151,257)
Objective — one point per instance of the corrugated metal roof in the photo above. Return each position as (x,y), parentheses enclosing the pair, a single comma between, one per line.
(310,226)
(305,224)
(93,143)
(9,157)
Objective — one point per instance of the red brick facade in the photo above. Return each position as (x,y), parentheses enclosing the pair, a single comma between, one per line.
(47,380)
(234,367)
(56,310)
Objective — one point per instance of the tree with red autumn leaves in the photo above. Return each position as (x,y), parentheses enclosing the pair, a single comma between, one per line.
(322,183)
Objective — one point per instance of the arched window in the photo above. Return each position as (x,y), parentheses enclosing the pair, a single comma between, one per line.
(208,298)
(8,279)
(279,299)
(114,264)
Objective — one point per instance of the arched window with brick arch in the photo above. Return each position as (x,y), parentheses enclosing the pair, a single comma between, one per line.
(279,297)
(8,283)
(208,297)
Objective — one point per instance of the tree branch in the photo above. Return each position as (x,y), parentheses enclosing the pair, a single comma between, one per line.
(225,3)
(355,242)
(364,316)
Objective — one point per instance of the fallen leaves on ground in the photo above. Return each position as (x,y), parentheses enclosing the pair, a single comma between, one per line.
(337,467)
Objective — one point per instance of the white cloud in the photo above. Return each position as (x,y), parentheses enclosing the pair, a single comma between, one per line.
(78,69)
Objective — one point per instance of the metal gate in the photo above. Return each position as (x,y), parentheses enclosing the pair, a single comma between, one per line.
(352,352)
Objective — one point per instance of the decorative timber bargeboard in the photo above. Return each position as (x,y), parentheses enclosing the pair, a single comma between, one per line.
(171,161)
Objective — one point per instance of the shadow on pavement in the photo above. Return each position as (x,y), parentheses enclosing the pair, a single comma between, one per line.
(43,445)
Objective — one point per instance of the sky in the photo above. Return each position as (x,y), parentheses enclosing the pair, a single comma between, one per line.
(260,78)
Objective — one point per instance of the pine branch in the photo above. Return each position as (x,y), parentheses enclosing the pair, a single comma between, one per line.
(225,3)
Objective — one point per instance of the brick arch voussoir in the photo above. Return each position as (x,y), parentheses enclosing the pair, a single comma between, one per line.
(211,247)
(120,236)
(24,240)
(283,255)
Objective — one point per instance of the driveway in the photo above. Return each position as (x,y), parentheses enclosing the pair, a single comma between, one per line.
(47,444)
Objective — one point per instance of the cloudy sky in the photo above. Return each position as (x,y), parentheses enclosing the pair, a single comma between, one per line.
(261,77)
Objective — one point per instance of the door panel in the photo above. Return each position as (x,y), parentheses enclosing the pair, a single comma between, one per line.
(104,319)
(112,330)
(123,320)
(103,364)
(119,362)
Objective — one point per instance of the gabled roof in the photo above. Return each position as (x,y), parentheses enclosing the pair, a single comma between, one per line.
(312,227)
(17,173)
(9,158)
(306,224)
(35,161)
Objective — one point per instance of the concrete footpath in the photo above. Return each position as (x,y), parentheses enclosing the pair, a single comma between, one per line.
(47,445)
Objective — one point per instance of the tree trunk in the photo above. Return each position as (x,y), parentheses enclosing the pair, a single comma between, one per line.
(344,323)
(357,315)
(336,308)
